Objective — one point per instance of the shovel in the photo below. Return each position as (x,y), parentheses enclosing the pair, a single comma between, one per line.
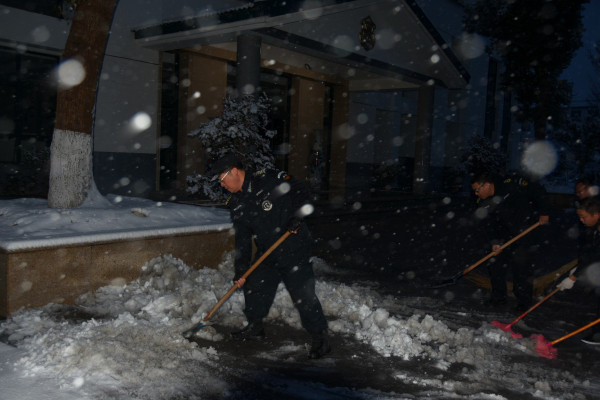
(233,288)
(546,348)
(507,327)
(452,280)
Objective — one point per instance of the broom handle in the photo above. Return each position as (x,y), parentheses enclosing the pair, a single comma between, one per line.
(552,293)
(246,274)
(505,245)
(534,306)
(583,328)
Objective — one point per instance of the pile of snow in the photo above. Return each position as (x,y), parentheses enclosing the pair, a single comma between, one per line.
(134,343)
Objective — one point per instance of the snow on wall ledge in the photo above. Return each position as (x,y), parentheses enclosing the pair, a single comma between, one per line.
(28,244)
(29,223)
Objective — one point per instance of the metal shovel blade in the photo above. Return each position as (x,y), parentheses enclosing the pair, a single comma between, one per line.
(233,288)
(190,332)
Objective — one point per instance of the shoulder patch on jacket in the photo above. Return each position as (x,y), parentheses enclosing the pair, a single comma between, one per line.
(518,181)
(283,176)
(523,182)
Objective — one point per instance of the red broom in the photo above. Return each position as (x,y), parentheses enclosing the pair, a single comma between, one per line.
(546,348)
(507,327)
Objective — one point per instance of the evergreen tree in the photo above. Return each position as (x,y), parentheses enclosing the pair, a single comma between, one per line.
(536,40)
(482,155)
(594,57)
(242,129)
(578,140)
(575,157)
(579,145)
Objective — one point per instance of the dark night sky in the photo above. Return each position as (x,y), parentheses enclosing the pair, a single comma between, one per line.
(581,72)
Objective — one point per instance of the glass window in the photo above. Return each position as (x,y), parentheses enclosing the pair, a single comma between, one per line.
(27,113)
(52,8)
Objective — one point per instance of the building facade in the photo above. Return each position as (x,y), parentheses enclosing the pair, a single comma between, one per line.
(383,94)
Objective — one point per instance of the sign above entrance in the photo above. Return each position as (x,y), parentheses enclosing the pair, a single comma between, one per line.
(367,33)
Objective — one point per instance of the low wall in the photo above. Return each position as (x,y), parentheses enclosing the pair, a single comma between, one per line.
(35,277)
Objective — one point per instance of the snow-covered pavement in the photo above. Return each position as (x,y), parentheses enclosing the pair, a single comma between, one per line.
(124,341)
(17,385)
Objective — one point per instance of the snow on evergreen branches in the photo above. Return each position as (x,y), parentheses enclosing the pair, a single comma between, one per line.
(483,155)
(241,129)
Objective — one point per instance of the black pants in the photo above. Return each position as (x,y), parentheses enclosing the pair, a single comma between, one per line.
(595,331)
(295,270)
(519,260)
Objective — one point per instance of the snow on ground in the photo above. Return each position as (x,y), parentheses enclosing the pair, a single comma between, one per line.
(125,341)
(133,344)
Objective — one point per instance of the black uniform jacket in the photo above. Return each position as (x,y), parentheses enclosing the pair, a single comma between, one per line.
(516,205)
(263,209)
(589,249)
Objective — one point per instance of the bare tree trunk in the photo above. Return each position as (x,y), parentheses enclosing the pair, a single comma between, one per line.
(71,149)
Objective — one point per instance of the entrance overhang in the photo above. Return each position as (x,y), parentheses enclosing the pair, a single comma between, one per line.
(408,52)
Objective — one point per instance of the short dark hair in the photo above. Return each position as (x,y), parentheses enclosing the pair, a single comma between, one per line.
(590,204)
(584,181)
(483,177)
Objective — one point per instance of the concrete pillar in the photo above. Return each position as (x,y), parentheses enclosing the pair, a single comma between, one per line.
(248,64)
(338,154)
(423,140)
(490,123)
(306,118)
(455,131)
(506,121)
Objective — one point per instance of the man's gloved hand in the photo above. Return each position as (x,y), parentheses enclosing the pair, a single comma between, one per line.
(568,282)
(294,224)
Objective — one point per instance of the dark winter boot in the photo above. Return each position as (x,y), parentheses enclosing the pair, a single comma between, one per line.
(320,345)
(495,302)
(253,331)
(522,307)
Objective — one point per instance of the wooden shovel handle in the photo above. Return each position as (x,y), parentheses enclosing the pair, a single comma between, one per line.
(505,245)
(266,254)
(246,274)
(575,332)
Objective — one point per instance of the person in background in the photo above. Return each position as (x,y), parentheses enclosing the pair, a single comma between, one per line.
(588,212)
(507,206)
(584,188)
(263,205)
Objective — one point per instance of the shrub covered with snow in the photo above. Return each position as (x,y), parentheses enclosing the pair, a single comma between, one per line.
(242,129)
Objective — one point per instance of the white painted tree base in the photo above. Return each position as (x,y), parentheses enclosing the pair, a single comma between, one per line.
(70,168)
